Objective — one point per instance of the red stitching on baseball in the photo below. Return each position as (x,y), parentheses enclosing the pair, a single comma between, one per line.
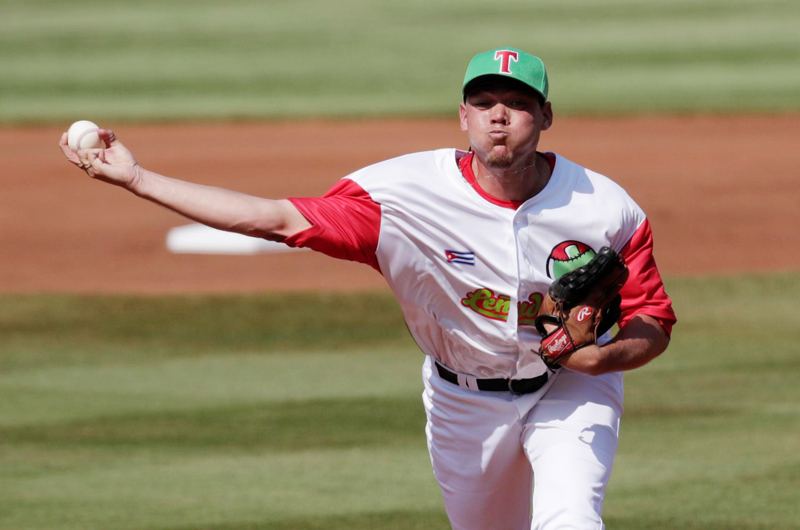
(80,138)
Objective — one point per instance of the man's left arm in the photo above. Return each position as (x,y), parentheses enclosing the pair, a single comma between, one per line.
(647,316)
(638,342)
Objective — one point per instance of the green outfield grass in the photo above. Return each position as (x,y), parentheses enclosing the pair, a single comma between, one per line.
(204,59)
(270,412)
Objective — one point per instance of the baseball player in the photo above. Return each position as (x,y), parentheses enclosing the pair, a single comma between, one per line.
(470,243)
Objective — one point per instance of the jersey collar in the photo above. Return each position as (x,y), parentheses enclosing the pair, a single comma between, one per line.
(464,161)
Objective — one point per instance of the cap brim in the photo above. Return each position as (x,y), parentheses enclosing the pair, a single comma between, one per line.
(491,80)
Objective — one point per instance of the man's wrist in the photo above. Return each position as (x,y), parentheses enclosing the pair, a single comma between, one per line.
(134,185)
(589,360)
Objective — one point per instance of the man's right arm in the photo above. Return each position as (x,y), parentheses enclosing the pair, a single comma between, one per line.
(216,207)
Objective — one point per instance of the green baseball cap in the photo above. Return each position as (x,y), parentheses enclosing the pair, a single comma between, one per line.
(509,62)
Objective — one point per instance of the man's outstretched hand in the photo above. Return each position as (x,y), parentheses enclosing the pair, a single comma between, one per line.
(215,207)
(114,164)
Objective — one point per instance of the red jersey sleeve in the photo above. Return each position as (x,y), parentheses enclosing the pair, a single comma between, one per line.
(643,293)
(345,224)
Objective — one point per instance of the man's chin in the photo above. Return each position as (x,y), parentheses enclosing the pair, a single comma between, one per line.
(499,161)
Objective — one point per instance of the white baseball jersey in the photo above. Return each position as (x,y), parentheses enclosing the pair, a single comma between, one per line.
(469,270)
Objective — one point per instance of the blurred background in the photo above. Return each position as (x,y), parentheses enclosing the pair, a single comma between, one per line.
(141,389)
(196,59)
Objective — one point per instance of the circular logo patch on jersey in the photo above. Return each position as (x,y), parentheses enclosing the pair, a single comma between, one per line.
(584,314)
(568,256)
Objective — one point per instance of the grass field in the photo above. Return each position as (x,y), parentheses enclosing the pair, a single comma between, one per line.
(301,413)
(201,59)
(233,413)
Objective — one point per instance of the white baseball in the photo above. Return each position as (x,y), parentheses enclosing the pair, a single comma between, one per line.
(83,135)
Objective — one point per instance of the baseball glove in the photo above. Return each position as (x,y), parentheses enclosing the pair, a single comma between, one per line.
(580,306)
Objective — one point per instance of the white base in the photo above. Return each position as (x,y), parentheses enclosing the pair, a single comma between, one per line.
(201,239)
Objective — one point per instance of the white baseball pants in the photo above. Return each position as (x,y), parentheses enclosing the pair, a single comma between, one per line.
(539,461)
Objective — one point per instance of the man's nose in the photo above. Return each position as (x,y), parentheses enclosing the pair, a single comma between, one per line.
(500,114)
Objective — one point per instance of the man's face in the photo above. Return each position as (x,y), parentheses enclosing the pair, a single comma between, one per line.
(503,124)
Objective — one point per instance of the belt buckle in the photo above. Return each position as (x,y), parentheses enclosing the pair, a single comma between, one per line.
(511,387)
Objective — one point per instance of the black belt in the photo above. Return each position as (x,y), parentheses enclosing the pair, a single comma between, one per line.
(515,386)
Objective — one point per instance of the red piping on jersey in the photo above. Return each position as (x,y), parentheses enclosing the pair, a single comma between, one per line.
(464,160)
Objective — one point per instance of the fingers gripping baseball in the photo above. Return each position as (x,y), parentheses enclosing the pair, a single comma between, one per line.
(113,163)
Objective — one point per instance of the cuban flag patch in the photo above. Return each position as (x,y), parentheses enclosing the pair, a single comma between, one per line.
(457,256)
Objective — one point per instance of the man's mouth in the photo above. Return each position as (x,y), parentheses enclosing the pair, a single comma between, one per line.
(498,136)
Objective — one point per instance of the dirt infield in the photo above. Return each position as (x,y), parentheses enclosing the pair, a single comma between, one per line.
(721,193)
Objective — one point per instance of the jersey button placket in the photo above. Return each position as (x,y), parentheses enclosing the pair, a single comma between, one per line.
(522,235)
(518,225)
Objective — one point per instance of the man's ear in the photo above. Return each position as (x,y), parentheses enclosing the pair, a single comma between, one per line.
(547,114)
(462,114)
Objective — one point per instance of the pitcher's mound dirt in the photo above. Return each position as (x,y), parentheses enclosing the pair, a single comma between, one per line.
(721,193)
